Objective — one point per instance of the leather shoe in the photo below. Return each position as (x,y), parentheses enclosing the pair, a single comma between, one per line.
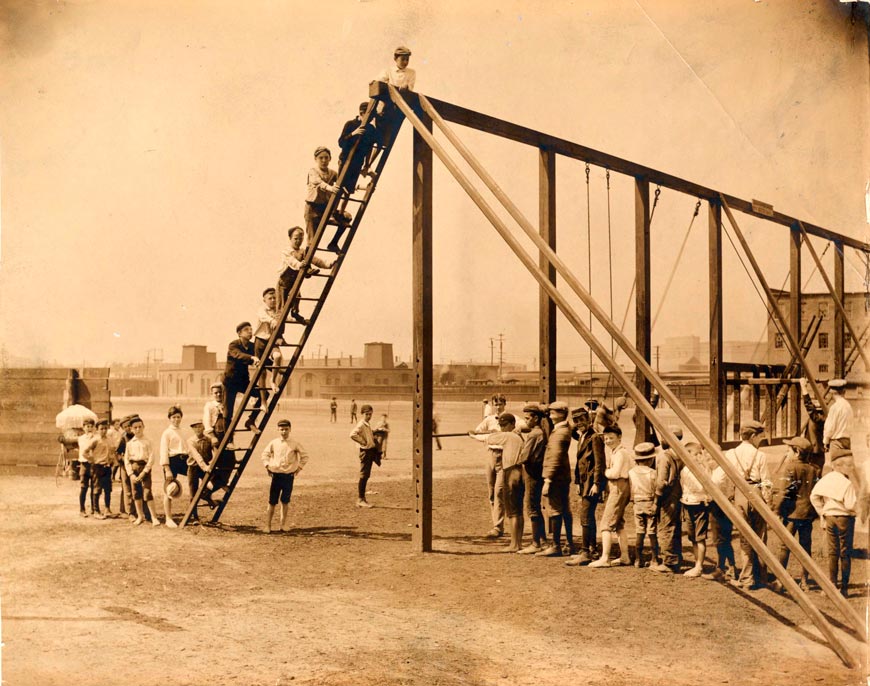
(551,551)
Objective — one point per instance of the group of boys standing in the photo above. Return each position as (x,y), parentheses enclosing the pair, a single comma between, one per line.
(529,471)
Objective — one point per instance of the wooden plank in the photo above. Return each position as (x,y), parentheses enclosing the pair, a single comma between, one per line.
(718,399)
(521,134)
(642,303)
(546,307)
(838,291)
(793,414)
(422,298)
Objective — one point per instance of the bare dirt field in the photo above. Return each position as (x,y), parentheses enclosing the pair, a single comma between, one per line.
(342,599)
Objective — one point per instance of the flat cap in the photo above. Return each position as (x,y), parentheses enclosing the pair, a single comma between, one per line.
(216,384)
(534,408)
(579,412)
(506,418)
(241,325)
(103,422)
(752,425)
(193,425)
(402,50)
(644,451)
(799,442)
(283,422)
(837,383)
(366,408)
(559,406)
(321,148)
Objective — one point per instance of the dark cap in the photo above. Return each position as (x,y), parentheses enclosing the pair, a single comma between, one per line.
(242,325)
(644,451)
(506,418)
(559,406)
(578,412)
(283,422)
(366,408)
(534,408)
(103,422)
(266,292)
(799,442)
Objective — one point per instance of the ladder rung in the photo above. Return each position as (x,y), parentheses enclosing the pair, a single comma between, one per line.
(319,275)
(310,299)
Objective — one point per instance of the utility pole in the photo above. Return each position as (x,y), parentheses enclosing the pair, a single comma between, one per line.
(658,355)
(500,354)
(491,352)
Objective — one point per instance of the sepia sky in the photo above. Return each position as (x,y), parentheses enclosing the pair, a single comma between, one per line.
(153,155)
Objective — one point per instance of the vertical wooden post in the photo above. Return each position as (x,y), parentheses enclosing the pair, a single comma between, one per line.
(793,411)
(839,289)
(718,400)
(546,307)
(643,315)
(422,296)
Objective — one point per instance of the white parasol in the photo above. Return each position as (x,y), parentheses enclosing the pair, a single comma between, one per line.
(73,417)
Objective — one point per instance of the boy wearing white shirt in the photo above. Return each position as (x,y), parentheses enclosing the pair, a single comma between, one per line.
(283,458)
(619,464)
(85,466)
(173,458)
(696,510)
(834,497)
(138,459)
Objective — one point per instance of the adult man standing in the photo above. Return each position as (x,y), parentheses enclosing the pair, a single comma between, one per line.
(333,410)
(590,480)
(751,463)
(240,356)
(557,481)
(839,420)
(353,408)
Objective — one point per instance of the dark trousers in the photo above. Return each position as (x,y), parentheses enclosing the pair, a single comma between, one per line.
(722,529)
(85,478)
(840,534)
(126,491)
(802,529)
(588,528)
(532,504)
(281,488)
(670,530)
(367,458)
(102,483)
(753,570)
(231,404)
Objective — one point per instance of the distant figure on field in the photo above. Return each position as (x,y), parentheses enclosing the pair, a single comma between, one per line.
(353,409)
(333,410)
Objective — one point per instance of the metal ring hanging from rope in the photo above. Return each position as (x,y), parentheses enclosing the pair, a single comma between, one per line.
(589,263)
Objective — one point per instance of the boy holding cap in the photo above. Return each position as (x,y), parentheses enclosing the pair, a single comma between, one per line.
(791,499)
(834,497)
(283,458)
(321,185)
(642,484)
(173,459)
(363,435)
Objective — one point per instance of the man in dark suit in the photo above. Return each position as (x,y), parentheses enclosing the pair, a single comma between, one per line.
(590,480)
(240,356)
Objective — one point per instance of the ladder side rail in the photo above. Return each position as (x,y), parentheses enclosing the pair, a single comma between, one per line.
(644,405)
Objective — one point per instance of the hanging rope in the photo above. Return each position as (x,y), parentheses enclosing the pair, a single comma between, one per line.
(589,264)
(610,280)
(676,264)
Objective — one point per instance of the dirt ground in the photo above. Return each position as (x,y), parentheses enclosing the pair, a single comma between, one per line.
(342,599)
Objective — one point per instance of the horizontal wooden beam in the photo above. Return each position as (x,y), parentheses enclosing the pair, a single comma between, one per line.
(521,134)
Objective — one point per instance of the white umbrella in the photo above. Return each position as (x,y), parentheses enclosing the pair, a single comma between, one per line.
(73,417)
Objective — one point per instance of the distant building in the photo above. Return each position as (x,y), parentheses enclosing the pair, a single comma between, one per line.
(819,308)
(197,371)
